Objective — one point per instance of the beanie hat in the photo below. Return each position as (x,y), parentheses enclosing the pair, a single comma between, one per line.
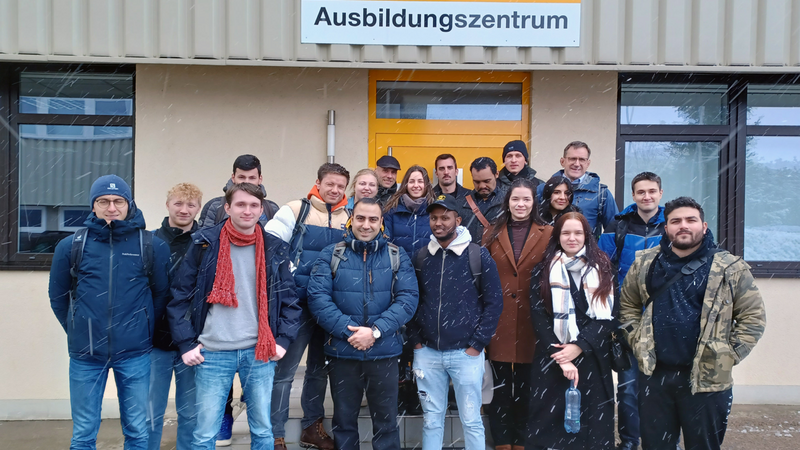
(516,146)
(110,185)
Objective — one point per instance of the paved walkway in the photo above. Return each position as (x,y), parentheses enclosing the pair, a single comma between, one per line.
(751,427)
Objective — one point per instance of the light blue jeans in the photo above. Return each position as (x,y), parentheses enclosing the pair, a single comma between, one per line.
(213,378)
(162,364)
(433,370)
(87,383)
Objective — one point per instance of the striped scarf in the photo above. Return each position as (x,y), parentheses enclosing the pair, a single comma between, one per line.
(565,324)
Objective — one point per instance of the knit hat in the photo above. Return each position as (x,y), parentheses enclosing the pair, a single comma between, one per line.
(110,185)
(516,146)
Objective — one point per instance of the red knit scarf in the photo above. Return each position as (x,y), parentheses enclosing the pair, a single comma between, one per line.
(224,290)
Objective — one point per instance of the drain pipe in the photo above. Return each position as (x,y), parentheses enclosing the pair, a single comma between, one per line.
(331,135)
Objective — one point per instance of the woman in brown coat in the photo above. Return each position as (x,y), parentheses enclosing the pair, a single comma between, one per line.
(517,243)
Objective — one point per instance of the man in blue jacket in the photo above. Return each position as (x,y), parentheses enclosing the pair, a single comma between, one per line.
(362,307)
(234,309)
(592,197)
(456,318)
(637,227)
(109,312)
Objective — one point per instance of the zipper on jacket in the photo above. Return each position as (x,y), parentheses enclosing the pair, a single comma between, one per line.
(91,344)
(364,307)
(110,283)
(439,319)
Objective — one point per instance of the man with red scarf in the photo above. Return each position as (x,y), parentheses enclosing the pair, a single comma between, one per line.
(234,309)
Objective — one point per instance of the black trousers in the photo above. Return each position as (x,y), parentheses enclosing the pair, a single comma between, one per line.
(508,412)
(667,407)
(349,378)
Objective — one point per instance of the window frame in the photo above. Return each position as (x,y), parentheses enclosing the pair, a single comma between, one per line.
(732,161)
(10,258)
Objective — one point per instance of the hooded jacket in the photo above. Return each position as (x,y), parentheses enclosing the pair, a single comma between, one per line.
(114,312)
(587,196)
(208,216)
(452,313)
(325,225)
(638,236)
(188,309)
(362,294)
(408,229)
(505,177)
(732,321)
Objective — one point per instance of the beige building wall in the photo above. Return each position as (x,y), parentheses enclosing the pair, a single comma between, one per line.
(192,121)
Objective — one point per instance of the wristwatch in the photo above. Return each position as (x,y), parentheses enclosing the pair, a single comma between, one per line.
(376,333)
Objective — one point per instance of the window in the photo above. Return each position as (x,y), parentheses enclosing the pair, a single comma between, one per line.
(67,125)
(733,144)
(448,100)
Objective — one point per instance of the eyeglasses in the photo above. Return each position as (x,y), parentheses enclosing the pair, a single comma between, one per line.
(104,202)
(577,160)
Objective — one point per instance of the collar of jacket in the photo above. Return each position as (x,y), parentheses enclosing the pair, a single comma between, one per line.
(591,182)
(273,244)
(459,244)
(318,203)
(360,246)
(173,232)
(632,211)
(527,172)
(132,223)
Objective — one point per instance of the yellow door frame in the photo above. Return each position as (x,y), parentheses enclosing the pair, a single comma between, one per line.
(446,127)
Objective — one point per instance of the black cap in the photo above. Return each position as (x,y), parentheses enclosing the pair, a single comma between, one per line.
(516,146)
(445,201)
(388,162)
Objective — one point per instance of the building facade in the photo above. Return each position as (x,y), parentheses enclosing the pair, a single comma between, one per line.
(704,92)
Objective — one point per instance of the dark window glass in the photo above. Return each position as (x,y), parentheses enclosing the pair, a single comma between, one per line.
(673,104)
(76,93)
(448,101)
(30,218)
(73,217)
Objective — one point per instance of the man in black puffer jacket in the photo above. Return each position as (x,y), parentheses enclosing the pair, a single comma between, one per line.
(362,306)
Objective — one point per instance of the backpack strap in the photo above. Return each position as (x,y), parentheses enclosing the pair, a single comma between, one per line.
(419,259)
(601,207)
(619,240)
(394,260)
(337,257)
(478,214)
(688,269)
(475,266)
(75,258)
(300,229)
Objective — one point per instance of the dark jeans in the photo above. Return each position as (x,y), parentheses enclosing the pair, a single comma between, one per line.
(667,407)
(349,378)
(508,412)
(628,403)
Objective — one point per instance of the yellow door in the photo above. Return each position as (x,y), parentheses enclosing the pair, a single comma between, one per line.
(479,126)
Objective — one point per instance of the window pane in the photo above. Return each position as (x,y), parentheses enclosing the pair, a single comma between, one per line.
(673,104)
(30,218)
(686,169)
(773,105)
(57,165)
(772,193)
(74,217)
(76,93)
(449,101)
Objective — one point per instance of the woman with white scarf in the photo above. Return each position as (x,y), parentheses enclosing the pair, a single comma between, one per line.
(573,309)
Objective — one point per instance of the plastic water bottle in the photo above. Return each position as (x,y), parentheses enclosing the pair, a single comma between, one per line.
(572,414)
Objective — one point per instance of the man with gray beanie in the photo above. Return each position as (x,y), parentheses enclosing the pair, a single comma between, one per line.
(108,283)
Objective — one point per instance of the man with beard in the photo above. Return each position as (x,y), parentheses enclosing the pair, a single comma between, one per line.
(695,312)
(446,170)
(386,168)
(482,207)
(456,318)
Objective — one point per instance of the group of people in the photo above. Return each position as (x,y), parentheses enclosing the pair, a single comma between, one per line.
(536,277)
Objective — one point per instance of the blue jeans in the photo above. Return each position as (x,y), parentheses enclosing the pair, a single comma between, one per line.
(315,383)
(87,383)
(162,364)
(433,370)
(213,378)
(628,403)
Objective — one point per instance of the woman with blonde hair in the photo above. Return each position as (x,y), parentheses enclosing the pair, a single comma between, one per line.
(364,185)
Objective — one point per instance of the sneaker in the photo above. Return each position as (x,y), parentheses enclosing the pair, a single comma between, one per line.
(225,431)
(316,437)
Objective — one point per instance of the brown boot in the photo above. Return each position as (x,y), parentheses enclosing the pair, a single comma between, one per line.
(280,444)
(316,437)
(502,447)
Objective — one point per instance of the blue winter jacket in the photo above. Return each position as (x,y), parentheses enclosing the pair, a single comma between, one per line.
(639,236)
(588,196)
(114,312)
(194,280)
(408,229)
(361,295)
(452,314)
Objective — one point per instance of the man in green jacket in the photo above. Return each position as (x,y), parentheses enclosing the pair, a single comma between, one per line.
(705,316)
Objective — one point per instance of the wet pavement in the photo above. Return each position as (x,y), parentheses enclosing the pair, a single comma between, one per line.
(750,427)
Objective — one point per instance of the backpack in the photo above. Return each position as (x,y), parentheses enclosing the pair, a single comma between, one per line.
(619,241)
(601,206)
(341,247)
(475,265)
(300,229)
(79,242)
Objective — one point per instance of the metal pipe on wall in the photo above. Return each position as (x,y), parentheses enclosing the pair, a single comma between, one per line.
(331,136)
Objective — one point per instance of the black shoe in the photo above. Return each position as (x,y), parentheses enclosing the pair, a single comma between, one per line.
(628,446)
